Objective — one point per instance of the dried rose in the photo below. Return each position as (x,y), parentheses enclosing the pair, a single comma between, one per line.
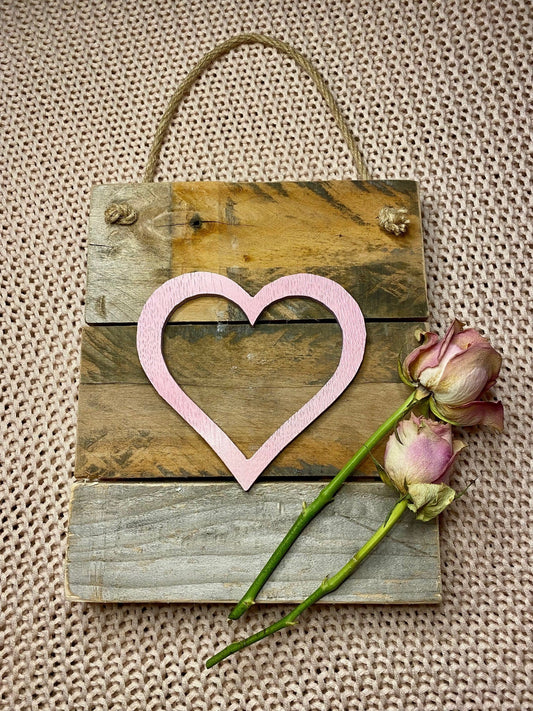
(418,460)
(450,375)
(457,371)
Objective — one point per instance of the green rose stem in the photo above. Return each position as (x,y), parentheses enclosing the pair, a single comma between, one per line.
(309,511)
(328,586)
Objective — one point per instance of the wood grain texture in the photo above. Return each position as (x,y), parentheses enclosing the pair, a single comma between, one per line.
(248,381)
(246,231)
(180,542)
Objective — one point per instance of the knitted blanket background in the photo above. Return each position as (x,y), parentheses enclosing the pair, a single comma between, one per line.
(436,91)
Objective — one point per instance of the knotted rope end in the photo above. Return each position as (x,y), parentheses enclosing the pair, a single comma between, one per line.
(120,213)
(393,220)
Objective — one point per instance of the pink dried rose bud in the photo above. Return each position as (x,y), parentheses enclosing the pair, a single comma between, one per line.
(418,460)
(457,370)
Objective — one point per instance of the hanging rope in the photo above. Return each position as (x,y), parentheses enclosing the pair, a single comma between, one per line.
(224,48)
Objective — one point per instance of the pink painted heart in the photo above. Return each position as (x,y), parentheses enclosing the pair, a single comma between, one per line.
(174,292)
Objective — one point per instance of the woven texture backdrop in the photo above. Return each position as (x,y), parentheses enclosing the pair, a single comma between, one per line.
(436,91)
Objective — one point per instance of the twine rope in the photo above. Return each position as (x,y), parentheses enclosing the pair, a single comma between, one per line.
(224,48)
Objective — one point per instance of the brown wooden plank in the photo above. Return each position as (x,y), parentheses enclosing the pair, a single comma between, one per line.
(128,431)
(246,231)
(205,541)
(249,381)
(229,354)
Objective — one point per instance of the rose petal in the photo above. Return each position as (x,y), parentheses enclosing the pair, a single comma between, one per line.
(427,460)
(467,375)
(470,337)
(454,329)
(428,500)
(457,447)
(475,413)
(441,431)
(422,357)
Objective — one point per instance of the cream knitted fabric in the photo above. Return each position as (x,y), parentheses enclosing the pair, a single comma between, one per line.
(436,90)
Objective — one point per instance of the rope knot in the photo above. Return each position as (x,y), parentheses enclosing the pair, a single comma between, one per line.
(393,220)
(120,213)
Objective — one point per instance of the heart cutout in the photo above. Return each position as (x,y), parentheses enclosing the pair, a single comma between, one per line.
(174,292)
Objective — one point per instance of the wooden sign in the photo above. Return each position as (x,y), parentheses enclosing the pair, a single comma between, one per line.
(156,514)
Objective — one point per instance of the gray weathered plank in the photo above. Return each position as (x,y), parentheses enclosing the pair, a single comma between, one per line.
(255,233)
(180,542)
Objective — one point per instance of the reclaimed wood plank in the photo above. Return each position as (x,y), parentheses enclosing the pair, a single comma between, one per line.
(230,354)
(248,380)
(246,231)
(128,431)
(181,542)
(115,251)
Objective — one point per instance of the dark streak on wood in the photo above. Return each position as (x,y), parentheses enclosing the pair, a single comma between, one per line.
(383,188)
(279,188)
(360,185)
(321,191)
(260,192)
(229,211)
(100,306)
